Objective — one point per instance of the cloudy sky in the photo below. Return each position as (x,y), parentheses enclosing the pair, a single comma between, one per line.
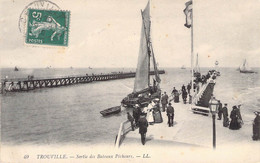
(106,33)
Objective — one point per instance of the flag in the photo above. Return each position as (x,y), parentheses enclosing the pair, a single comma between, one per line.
(188,12)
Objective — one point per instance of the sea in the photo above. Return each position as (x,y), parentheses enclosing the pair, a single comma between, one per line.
(71,114)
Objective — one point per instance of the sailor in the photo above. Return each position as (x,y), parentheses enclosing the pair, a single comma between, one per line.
(183,88)
(170,114)
(143,124)
(220,112)
(256,126)
(225,116)
(164,101)
(131,119)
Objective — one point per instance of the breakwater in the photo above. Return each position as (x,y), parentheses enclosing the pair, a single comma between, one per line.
(31,83)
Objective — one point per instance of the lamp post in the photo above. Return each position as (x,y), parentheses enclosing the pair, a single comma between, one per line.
(213,105)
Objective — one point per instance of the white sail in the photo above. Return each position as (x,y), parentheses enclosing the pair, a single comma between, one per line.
(245,66)
(142,70)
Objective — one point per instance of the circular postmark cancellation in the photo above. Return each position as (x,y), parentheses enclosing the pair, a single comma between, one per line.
(38,4)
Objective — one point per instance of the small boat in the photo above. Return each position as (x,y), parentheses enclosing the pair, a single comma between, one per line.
(183,67)
(113,110)
(16,69)
(244,68)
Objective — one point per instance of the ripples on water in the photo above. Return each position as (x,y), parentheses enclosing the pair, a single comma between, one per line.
(71,114)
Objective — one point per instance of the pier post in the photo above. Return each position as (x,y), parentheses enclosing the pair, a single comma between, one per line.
(214,130)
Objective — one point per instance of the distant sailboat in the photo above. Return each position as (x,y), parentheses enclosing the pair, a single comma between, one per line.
(16,69)
(143,91)
(183,67)
(244,68)
(89,67)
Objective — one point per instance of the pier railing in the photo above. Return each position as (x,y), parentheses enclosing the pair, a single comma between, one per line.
(197,97)
(23,84)
(124,128)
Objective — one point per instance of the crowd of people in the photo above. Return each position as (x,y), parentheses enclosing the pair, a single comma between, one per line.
(235,116)
(143,117)
(184,92)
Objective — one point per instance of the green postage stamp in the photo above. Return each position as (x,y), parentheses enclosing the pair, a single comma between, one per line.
(47,27)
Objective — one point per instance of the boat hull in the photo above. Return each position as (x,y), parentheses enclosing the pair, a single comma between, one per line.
(132,99)
(109,111)
(247,72)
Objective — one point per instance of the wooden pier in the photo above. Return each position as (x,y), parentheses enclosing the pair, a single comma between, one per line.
(18,85)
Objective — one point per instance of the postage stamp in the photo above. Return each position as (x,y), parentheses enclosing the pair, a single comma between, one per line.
(47,27)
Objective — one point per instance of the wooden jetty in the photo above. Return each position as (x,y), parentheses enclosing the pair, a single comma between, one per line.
(17,85)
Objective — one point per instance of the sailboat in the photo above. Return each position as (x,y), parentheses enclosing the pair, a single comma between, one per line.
(16,69)
(143,91)
(183,67)
(244,68)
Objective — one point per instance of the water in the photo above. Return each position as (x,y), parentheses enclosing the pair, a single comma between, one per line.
(67,115)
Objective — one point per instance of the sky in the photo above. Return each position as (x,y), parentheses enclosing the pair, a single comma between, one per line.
(106,33)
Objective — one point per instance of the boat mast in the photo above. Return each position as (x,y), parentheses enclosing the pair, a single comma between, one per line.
(192,70)
(148,46)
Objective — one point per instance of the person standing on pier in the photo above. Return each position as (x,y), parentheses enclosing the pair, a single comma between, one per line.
(189,88)
(234,125)
(164,101)
(174,90)
(183,88)
(240,120)
(225,116)
(220,112)
(184,95)
(256,126)
(136,114)
(170,114)
(131,119)
(143,124)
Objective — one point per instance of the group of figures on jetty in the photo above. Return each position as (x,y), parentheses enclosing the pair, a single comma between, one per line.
(235,116)
(185,91)
(142,117)
(236,119)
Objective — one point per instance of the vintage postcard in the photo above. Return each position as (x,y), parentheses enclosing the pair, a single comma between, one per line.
(130,81)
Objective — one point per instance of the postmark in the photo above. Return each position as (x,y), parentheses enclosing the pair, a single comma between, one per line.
(47,27)
(38,4)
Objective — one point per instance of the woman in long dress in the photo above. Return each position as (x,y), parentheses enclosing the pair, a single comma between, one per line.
(234,124)
(157,113)
(149,113)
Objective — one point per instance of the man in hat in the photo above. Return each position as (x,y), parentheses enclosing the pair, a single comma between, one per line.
(189,88)
(220,110)
(136,114)
(170,114)
(174,90)
(164,101)
(225,116)
(143,124)
(131,119)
